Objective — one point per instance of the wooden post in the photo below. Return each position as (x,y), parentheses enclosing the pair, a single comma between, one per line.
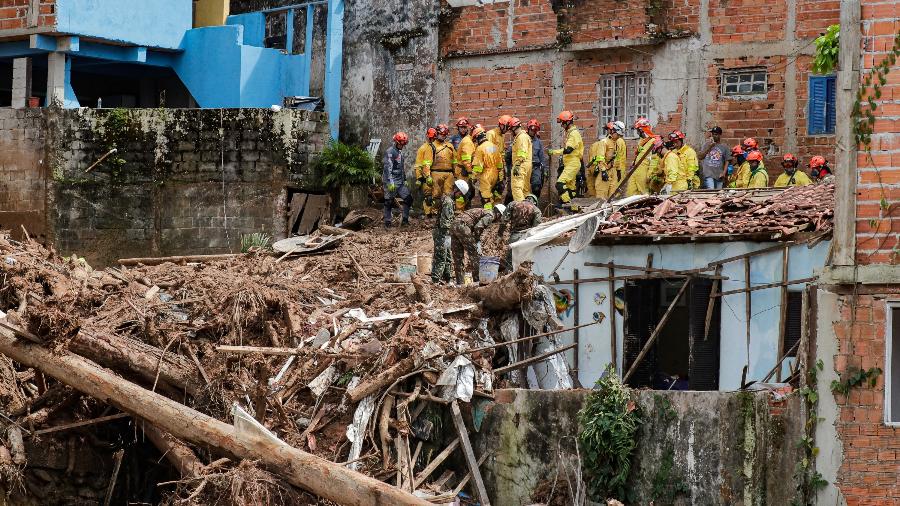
(782,318)
(326,479)
(712,303)
(577,320)
(749,303)
(612,318)
(656,331)
(471,461)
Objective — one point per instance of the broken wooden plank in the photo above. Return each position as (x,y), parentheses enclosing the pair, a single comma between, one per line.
(177,453)
(262,350)
(656,332)
(782,316)
(378,382)
(710,307)
(298,202)
(316,475)
(471,461)
(532,360)
(117,457)
(84,423)
(150,261)
(801,281)
(437,461)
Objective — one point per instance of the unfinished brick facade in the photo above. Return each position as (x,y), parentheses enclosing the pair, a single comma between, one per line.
(23,14)
(576,45)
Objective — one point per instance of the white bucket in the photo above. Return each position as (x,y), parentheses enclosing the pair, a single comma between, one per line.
(488,268)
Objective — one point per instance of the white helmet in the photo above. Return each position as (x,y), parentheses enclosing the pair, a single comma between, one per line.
(620,127)
(462,186)
(500,208)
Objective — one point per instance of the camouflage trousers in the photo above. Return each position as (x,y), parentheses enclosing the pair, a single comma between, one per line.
(440,262)
(464,247)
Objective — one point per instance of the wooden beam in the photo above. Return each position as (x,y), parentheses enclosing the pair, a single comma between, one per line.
(471,461)
(529,338)
(767,286)
(646,269)
(777,367)
(437,461)
(612,315)
(748,304)
(656,332)
(528,361)
(177,259)
(314,474)
(710,307)
(656,275)
(782,316)
(84,423)
(756,253)
(577,337)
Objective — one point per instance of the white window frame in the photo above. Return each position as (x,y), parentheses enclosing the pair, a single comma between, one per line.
(636,100)
(725,73)
(888,359)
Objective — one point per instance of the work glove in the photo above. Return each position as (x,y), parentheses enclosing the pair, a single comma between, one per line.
(554,152)
(392,187)
(429,181)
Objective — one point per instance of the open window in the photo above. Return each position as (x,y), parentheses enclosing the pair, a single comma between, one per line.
(685,355)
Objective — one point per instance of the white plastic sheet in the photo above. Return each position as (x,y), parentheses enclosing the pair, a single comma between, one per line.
(247,426)
(458,380)
(356,431)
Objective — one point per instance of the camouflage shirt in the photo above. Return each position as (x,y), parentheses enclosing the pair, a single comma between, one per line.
(445,218)
(476,219)
(523,215)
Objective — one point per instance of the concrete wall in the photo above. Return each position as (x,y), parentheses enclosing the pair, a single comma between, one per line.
(156,23)
(183,180)
(716,448)
(595,351)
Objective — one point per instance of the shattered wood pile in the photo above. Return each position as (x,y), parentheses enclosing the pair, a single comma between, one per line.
(729,212)
(261,381)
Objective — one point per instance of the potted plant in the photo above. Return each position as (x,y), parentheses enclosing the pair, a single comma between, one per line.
(348,171)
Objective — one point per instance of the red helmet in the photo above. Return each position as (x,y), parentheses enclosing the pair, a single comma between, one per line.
(817,161)
(401,138)
(431,133)
(609,126)
(514,122)
(463,122)
(658,144)
(565,117)
(750,143)
(504,120)
(789,159)
(478,131)
(443,130)
(677,134)
(533,124)
(754,156)
(737,150)
(643,124)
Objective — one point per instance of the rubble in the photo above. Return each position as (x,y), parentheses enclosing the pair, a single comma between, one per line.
(334,361)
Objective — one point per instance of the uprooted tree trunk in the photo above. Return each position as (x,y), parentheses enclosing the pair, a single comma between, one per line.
(507,292)
(316,475)
(130,355)
(177,453)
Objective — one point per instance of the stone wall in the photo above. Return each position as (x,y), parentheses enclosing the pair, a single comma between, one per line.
(711,448)
(182,180)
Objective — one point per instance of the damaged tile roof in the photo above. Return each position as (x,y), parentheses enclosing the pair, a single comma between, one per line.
(776,211)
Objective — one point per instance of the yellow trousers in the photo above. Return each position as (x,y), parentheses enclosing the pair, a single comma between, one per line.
(443,184)
(486,183)
(591,181)
(637,184)
(568,182)
(603,189)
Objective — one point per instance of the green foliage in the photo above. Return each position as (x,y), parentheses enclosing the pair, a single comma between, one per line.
(855,377)
(665,487)
(116,130)
(609,422)
(805,475)
(256,240)
(864,107)
(828,46)
(345,165)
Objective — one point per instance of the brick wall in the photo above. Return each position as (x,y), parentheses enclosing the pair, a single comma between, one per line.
(14,14)
(814,16)
(176,185)
(878,225)
(487,28)
(524,90)
(607,20)
(22,174)
(739,22)
(870,470)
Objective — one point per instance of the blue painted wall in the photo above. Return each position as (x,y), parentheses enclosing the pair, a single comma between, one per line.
(210,66)
(151,23)
(254,24)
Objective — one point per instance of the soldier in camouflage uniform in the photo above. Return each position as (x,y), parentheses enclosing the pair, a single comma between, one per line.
(520,217)
(440,263)
(466,235)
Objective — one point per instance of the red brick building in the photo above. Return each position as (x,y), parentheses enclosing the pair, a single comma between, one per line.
(686,64)
(859,297)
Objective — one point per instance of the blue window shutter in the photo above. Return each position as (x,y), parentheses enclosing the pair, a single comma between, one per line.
(830,89)
(815,122)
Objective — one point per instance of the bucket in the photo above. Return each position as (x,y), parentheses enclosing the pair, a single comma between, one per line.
(488,267)
(423,262)
(407,268)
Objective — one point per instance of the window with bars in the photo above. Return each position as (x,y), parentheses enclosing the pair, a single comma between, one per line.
(744,82)
(624,97)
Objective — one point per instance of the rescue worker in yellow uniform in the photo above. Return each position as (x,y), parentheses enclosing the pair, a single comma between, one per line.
(495,135)
(520,173)
(441,170)
(597,156)
(676,180)
(572,155)
(759,176)
(690,166)
(749,145)
(638,184)
(464,152)
(791,176)
(740,175)
(487,163)
(424,158)
(620,155)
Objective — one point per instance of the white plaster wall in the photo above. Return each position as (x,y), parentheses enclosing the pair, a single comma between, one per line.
(595,351)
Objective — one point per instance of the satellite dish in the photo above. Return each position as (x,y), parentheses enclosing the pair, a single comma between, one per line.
(584,234)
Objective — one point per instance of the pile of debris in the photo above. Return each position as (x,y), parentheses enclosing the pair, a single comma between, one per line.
(260,379)
(739,211)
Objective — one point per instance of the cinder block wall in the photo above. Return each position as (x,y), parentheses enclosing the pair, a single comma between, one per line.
(183,181)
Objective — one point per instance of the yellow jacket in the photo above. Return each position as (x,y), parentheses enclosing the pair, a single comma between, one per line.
(444,157)
(496,138)
(689,164)
(597,155)
(639,183)
(487,159)
(521,152)
(742,177)
(423,159)
(674,175)
(574,141)
(800,179)
(620,155)
(759,178)
(464,156)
